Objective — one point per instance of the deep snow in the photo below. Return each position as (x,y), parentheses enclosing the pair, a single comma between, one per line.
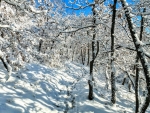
(39,89)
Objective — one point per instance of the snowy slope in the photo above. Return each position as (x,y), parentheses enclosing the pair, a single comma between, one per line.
(39,89)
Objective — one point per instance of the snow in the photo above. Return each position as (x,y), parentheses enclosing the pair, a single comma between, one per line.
(39,89)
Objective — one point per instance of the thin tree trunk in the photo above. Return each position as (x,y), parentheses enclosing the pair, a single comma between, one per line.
(90,90)
(137,89)
(113,89)
(137,69)
(107,77)
(88,54)
(141,55)
(124,80)
(40,45)
(7,66)
(93,56)
(82,56)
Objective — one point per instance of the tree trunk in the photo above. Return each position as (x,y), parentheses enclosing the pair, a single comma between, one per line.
(88,54)
(40,45)
(7,66)
(137,69)
(137,90)
(82,56)
(113,89)
(123,81)
(90,90)
(107,77)
(93,56)
(140,53)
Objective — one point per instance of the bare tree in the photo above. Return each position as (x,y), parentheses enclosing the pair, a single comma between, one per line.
(113,89)
(140,52)
(137,67)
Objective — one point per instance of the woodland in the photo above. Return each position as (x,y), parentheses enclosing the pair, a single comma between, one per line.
(54,60)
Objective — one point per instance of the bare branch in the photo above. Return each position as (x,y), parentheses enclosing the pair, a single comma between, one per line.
(126,47)
(81,7)
(84,27)
(78,29)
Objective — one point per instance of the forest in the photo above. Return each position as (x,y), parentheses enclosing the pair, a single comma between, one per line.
(74,56)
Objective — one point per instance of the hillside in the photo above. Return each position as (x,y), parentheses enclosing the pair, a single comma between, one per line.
(39,89)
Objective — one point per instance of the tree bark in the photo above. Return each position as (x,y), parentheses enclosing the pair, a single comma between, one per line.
(93,56)
(137,90)
(113,89)
(82,56)
(137,69)
(90,90)
(88,54)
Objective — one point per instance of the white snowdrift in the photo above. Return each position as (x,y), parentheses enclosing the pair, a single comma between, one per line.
(39,89)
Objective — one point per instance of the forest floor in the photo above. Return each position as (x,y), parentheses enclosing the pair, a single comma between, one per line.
(39,89)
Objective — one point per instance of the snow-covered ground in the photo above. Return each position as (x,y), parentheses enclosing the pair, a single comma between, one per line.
(39,89)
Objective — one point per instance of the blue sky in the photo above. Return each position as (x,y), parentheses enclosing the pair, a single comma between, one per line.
(87,10)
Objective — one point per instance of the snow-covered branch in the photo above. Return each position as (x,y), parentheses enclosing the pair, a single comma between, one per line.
(83,27)
(80,7)
(141,13)
(24,6)
(78,29)
(83,7)
(4,26)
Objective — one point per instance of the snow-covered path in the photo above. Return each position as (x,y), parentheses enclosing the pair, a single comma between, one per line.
(39,89)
